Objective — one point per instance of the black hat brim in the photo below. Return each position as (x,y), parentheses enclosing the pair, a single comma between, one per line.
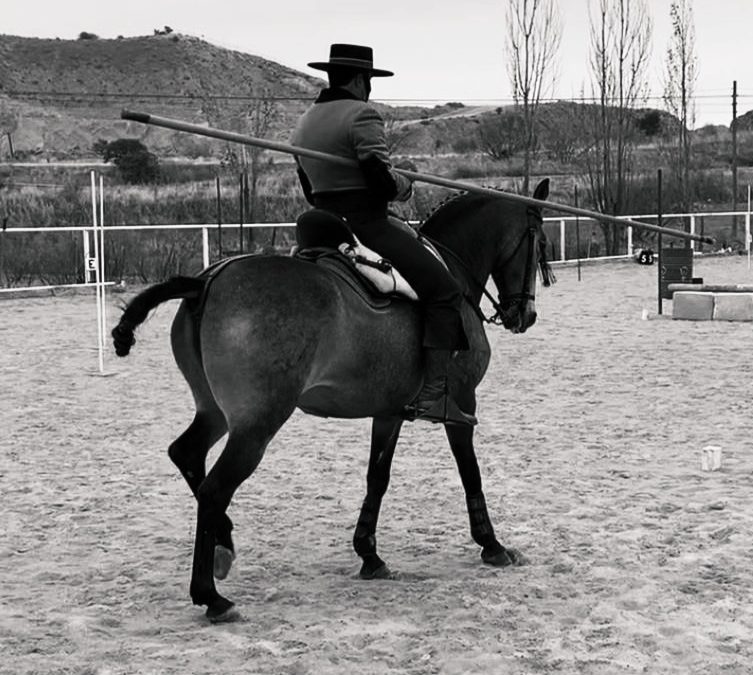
(326,66)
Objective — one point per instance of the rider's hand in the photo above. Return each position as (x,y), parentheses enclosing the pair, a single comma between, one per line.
(405,164)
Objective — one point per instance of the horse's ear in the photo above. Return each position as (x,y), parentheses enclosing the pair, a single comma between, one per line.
(542,190)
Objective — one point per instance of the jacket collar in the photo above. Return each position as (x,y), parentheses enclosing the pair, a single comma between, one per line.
(336,94)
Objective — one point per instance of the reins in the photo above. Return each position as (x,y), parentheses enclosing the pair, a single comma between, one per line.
(499,307)
(496,318)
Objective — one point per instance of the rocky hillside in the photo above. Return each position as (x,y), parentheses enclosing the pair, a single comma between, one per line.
(61,95)
(57,97)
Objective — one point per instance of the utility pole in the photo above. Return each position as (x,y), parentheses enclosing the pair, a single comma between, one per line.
(734,158)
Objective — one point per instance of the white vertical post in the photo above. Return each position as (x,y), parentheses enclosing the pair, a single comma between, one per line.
(692,230)
(205,247)
(629,241)
(562,240)
(87,255)
(97,270)
(102,278)
(747,229)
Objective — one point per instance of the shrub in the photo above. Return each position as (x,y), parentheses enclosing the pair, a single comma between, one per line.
(465,144)
(83,35)
(134,161)
(501,136)
(650,123)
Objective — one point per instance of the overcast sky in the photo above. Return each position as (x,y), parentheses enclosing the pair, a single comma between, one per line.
(440,50)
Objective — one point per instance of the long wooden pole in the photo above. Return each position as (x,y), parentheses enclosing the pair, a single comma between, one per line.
(178,125)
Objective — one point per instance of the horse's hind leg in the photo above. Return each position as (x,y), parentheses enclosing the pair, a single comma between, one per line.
(242,454)
(384,435)
(482,531)
(189,452)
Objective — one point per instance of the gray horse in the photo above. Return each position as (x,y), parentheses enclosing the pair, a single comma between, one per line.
(267,334)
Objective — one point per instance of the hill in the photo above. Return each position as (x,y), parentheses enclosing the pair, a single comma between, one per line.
(58,97)
(65,94)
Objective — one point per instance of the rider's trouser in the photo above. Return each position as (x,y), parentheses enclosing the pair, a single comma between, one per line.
(435,286)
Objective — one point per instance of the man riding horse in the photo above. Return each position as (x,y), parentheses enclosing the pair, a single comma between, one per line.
(254,335)
(342,122)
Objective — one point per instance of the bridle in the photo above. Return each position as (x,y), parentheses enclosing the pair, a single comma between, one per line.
(527,293)
(508,301)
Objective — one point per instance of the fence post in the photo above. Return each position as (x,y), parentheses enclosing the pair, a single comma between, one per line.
(629,241)
(205,247)
(87,271)
(692,230)
(747,229)
(562,240)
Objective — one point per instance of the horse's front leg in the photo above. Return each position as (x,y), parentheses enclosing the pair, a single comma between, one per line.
(482,531)
(384,435)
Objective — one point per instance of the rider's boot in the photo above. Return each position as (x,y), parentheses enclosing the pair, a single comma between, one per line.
(434,403)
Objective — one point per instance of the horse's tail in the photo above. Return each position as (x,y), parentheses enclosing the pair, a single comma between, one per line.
(136,311)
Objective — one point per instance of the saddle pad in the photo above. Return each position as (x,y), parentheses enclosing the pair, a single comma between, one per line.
(380,272)
(343,267)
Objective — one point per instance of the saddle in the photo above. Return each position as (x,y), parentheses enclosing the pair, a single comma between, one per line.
(325,239)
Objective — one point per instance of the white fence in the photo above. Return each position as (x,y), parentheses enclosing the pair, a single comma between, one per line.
(561,226)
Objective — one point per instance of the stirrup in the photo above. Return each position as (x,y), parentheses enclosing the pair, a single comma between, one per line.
(443,411)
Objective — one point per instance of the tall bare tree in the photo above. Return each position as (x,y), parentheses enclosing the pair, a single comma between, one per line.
(8,123)
(620,50)
(679,88)
(534,31)
(260,118)
(396,133)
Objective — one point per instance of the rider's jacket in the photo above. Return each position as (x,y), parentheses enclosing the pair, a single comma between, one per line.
(341,124)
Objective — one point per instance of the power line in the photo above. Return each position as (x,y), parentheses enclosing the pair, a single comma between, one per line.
(194,97)
(237,97)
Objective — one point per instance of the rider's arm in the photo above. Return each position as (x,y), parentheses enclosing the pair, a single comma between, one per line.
(369,141)
(305,183)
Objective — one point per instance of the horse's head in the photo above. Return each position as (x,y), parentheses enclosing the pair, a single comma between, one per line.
(514,272)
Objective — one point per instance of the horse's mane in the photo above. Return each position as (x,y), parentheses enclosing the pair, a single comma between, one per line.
(435,224)
(440,204)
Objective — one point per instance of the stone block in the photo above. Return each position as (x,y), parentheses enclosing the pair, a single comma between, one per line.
(733,306)
(693,306)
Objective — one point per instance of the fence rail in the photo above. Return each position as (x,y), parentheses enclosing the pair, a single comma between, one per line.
(80,263)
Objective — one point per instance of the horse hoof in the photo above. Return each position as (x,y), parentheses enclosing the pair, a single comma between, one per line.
(222,611)
(502,557)
(381,572)
(223,561)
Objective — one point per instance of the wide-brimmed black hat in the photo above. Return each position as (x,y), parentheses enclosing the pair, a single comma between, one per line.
(351,56)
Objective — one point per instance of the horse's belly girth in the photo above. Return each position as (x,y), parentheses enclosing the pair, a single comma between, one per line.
(368,362)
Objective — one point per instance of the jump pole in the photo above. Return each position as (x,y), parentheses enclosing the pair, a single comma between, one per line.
(102,297)
(577,230)
(98,270)
(98,262)
(178,125)
(747,230)
(659,243)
